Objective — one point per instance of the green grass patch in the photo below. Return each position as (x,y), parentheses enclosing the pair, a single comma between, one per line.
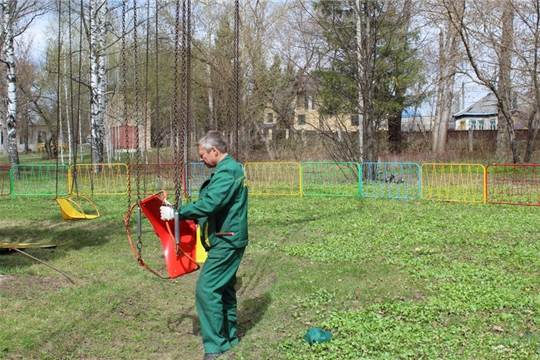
(390,279)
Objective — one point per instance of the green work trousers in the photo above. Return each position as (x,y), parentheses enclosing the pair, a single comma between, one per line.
(215,298)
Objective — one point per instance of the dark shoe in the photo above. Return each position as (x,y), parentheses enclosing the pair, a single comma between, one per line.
(211,356)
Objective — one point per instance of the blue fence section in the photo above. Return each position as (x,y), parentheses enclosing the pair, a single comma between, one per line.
(196,173)
(394,180)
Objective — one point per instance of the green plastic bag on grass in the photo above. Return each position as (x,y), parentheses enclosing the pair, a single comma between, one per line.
(317,335)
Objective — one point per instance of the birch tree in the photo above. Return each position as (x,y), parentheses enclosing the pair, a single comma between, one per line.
(16,18)
(98,80)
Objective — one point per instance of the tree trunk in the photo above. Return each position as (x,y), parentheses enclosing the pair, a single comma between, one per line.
(11,80)
(98,12)
(506,139)
(366,122)
(445,93)
(394,132)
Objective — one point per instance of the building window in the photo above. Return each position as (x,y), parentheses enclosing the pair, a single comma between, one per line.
(480,124)
(493,124)
(270,117)
(354,120)
(301,119)
(472,124)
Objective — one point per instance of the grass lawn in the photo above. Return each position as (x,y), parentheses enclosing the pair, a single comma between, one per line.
(390,279)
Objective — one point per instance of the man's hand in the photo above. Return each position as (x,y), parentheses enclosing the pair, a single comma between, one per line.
(167,213)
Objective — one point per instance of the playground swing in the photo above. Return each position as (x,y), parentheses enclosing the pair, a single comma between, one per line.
(182,251)
(76,207)
(73,208)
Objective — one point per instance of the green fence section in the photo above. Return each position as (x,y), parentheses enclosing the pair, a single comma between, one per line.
(513,184)
(39,180)
(273,178)
(453,182)
(392,180)
(330,179)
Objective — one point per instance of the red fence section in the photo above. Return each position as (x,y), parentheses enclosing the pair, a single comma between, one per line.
(147,179)
(513,184)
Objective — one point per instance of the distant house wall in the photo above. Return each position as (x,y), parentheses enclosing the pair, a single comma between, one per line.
(482,115)
(36,136)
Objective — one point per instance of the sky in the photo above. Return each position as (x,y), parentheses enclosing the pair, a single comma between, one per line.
(39,28)
(37,32)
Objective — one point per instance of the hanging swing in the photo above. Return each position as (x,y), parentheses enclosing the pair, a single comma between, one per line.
(72,208)
(182,252)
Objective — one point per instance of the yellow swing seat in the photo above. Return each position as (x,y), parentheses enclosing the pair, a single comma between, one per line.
(71,210)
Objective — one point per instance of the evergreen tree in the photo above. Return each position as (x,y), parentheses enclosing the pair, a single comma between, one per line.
(396,64)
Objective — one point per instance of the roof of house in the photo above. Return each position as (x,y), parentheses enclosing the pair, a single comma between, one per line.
(410,113)
(486,106)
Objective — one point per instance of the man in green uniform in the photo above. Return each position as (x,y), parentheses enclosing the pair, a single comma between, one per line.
(222,210)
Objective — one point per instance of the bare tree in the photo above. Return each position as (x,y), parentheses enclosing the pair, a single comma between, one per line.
(486,32)
(527,45)
(447,68)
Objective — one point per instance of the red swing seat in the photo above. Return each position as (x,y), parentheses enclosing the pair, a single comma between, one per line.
(178,263)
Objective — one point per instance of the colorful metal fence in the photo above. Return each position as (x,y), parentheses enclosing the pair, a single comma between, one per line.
(453,182)
(394,180)
(39,180)
(514,184)
(330,179)
(196,172)
(147,179)
(5,183)
(273,178)
(99,179)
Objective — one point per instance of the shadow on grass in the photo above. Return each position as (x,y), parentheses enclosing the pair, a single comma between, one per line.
(66,236)
(175,325)
(252,311)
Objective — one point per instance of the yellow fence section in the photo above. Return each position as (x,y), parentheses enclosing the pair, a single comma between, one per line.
(454,182)
(274,178)
(98,179)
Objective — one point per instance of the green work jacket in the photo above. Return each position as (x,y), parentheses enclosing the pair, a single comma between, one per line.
(221,207)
